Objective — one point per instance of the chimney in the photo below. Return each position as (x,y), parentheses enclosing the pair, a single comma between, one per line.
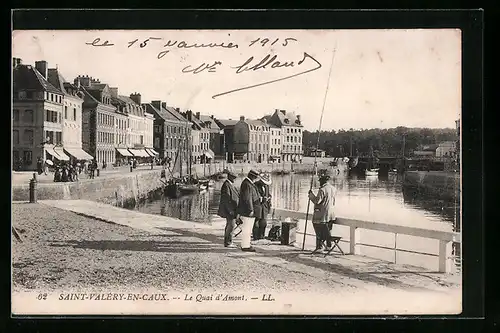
(42,67)
(16,62)
(283,112)
(157,104)
(136,97)
(178,109)
(198,115)
(212,116)
(298,118)
(189,115)
(164,105)
(84,80)
(114,92)
(242,118)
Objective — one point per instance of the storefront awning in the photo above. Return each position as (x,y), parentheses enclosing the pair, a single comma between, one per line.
(209,154)
(60,155)
(78,153)
(152,152)
(139,152)
(124,152)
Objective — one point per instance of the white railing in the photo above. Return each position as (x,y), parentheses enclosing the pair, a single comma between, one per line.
(445,238)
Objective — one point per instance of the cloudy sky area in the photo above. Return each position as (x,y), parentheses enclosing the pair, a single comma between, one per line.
(379,78)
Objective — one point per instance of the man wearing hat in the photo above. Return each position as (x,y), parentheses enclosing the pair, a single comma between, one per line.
(324,203)
(229,198)
(259,229)
(247,205)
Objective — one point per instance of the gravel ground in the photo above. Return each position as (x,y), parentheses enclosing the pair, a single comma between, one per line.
(63,250)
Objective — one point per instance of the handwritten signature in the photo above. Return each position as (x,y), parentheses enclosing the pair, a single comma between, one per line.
(268,62)
(272,63)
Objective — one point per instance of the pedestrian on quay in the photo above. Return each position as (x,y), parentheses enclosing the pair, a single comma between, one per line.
(104,165)
(228,206)
(247,205)
(324,202)
(259,229)
(39,166)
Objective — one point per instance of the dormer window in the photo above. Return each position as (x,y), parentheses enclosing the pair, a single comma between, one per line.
(286,121)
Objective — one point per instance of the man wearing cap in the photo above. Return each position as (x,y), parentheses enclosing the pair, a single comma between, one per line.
(229,198)
(259,229)
(249,199)
(324,203)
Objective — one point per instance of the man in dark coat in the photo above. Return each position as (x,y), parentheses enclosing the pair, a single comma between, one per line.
(259,229)
(229,198)
(249,198)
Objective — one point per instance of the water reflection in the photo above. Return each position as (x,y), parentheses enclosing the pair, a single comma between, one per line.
(383,199)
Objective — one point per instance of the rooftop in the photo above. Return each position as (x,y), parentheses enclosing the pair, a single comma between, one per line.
(27,77)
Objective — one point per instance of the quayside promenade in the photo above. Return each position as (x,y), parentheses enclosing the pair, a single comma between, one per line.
(83,245)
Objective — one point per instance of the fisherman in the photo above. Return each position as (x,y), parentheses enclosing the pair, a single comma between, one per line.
(249,199)
(259,229)
(229,198)
(324,203)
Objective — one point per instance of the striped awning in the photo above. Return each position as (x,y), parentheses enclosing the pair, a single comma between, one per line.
(58,153)
(152,152)
(124,152)
(78,153)
(139,152)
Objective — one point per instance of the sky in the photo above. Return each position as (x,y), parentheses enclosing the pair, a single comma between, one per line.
(367,78)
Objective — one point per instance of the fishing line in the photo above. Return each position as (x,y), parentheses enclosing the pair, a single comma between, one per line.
(317,145)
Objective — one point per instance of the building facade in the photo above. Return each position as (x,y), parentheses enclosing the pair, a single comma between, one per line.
(72,116)
(216,136)
(291,134)
(227,126)
(205,154)
(446,149)
(37,116)
(251,140)
(170,129)
(274,143)
(98,120)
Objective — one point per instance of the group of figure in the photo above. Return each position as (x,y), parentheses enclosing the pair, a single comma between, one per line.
(252,202)
(67,172)
(248,206)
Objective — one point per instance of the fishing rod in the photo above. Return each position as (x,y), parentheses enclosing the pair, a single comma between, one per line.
(317,147)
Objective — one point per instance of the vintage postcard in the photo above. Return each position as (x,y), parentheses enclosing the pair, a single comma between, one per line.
(236,172)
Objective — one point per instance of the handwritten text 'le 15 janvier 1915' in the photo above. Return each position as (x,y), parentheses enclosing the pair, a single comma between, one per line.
(250,64)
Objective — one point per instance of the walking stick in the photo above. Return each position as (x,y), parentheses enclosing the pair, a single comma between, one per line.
(317,147)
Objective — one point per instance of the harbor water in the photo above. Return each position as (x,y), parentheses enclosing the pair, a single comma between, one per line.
(374,198)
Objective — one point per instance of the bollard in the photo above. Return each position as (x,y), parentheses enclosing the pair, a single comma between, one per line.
(33,182)
(288,232)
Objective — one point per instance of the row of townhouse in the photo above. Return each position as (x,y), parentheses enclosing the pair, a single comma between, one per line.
(274,138)
(58,120)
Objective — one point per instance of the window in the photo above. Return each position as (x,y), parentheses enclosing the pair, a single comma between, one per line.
(74,114)
(58,137)
(22,95)
(51,97)
(59,116)
(28,157)
(65,112)
(157,128)
(16,114)
(15,157)
(49,136)
(15,136)
(28,136)
(28,116)
(157,143)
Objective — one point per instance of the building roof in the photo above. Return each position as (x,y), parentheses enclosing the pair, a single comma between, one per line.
(214,125)
(162,113)
(284,118)
(175,113)
(27,77)
(227,122)
(57,80)
(136,109)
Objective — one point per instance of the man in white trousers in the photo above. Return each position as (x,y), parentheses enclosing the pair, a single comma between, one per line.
(249,198)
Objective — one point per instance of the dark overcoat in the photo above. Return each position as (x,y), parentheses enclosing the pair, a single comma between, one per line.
(249,198)
(229,198)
